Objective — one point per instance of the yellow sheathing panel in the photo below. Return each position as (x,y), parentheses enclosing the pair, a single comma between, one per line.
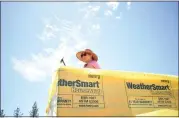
(89,92)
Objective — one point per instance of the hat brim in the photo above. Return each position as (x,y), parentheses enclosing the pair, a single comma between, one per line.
(78,55)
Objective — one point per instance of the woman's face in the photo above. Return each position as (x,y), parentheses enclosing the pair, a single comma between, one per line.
(87,57)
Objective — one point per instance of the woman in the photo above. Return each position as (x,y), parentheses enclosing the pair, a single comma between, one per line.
(89,58)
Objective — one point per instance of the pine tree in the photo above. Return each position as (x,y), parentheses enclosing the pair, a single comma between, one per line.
(2,113)
(34,111)
(17,113)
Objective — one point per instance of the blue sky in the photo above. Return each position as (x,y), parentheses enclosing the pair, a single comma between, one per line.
(137,36)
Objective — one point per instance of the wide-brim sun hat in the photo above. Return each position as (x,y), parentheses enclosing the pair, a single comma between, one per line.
(94,56)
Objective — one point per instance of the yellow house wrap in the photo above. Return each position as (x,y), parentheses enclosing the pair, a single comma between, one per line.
(97,92)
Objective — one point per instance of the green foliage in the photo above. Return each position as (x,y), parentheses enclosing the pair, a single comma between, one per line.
(34,111)
(17,113)
(2,113)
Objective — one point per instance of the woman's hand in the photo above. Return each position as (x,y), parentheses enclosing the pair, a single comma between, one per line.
(47,109)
